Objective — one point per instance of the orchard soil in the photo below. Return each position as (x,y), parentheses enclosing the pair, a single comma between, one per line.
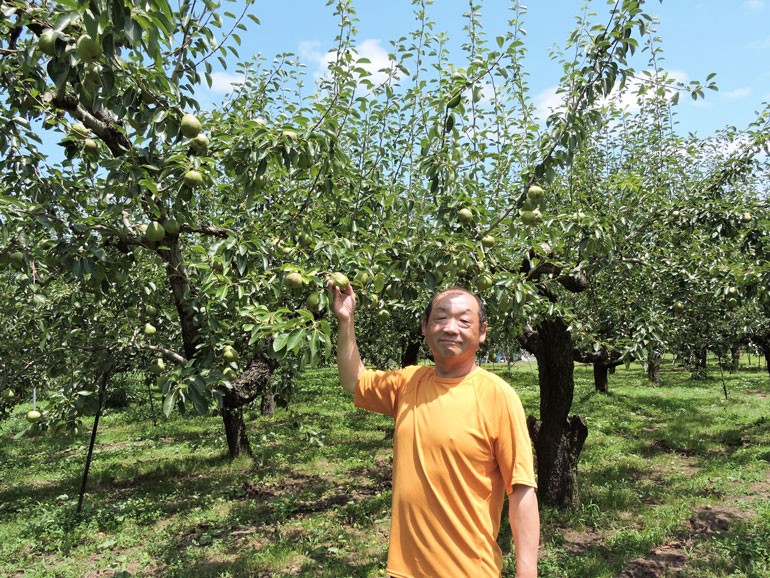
(674,481)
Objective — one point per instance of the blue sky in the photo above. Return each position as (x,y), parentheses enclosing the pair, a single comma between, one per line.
(728,37)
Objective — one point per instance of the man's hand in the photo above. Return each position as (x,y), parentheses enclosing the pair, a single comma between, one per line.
(343,303)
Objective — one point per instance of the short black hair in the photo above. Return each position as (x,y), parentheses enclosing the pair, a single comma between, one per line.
(457,289)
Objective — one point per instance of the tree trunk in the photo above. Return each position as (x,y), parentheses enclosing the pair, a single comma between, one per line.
(604,362)
(410,353)
(235,432)
(254,380)
(558,438)
(601,379)
(766,351)
(267,407)
(558,452)
(699,367)
(735,354)
(240,395)
(181,289)
(653,367)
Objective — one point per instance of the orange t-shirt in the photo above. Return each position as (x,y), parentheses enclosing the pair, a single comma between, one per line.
(459,446)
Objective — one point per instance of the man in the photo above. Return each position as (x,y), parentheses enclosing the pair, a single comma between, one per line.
(460,444)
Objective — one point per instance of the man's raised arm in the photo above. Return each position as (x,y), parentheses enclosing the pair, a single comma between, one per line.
(349,362)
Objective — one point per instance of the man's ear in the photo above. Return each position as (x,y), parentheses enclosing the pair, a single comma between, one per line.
(483,332)
(423,327)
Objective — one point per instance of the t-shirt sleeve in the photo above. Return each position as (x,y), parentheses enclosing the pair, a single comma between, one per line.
(513,446)
(378,391)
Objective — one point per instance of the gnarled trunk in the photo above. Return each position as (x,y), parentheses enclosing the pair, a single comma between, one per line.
(235,432)
(558,450)
(232,407)
(254,380)
(180,288)
(557,437)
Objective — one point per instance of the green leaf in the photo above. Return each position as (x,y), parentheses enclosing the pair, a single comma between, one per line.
(279,341)
(169,401)
(295,337)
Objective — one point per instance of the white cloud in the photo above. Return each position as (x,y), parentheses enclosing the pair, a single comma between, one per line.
(738,93)
(487,92)
(754,5)
(761,45)
(223,82)
(723,148)
(678,75)
(548,101)
(311,51)
(367,50)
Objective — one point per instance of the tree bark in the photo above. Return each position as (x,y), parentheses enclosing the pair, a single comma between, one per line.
(247,386)
(235,432)
(604,362)
(558,452)
(254,380)
(735,356)
(601,379)
(766,351)
(700,368)
(557,437)
(267,407)
(410,353)
(653,366)
(181,289)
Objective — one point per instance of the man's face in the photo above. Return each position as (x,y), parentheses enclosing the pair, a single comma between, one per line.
(453,331)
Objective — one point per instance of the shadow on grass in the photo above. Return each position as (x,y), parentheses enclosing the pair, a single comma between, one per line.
(325,564)
(319,562)
(301,524)
(693,440)
(670,449)
(698,430)
(285,509)
(146,494)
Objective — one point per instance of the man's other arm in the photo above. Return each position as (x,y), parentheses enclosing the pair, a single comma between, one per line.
(524,517)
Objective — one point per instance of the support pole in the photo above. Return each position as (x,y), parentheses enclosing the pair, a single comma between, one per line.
(102,386)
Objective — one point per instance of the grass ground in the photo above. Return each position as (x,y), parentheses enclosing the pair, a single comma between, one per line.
(674,481)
